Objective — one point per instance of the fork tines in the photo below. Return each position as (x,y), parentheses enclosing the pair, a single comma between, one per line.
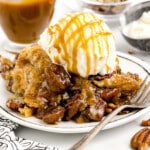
(143,93)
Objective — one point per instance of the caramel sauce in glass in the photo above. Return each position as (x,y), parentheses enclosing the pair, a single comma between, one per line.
(24,20)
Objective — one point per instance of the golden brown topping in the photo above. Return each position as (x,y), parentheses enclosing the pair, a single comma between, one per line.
(141,140)
(26,111)
(5,66)
(27,74)
(110,107)
(125,82)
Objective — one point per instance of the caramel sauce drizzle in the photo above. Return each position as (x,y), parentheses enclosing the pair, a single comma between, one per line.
(76,27)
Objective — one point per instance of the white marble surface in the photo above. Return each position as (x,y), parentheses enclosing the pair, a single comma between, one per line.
(111,139)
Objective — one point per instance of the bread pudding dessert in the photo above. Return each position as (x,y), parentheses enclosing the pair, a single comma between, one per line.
(71,74)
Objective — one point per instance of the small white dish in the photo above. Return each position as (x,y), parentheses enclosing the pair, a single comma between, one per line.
(135,33)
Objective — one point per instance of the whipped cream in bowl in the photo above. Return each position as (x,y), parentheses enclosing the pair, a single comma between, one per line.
(135,23)
(140,28)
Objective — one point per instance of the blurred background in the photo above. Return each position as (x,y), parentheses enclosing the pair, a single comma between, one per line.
(112,19)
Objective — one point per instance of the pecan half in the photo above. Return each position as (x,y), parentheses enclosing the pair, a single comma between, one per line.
(141,139)
(145,122)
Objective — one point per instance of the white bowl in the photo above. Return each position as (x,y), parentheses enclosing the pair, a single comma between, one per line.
(132,14)
(106,9)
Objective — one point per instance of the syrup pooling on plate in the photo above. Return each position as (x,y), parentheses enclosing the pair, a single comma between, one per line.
(82,43)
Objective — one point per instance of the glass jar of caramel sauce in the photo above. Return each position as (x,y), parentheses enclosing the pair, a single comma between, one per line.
(24,20)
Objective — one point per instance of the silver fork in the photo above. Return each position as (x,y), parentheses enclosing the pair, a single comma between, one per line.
(140,100)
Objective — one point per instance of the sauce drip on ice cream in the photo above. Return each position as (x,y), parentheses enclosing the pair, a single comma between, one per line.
(82,43)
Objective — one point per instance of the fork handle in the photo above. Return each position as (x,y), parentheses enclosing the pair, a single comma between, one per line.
(94,131)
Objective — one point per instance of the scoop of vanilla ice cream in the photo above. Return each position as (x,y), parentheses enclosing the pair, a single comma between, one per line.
(82,43)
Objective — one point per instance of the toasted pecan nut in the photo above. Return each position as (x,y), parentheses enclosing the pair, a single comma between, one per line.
(52,116)
(109,94)
(141,140)
(145,122)
(14,105)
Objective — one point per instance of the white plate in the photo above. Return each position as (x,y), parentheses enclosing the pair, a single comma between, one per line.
(127,63)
